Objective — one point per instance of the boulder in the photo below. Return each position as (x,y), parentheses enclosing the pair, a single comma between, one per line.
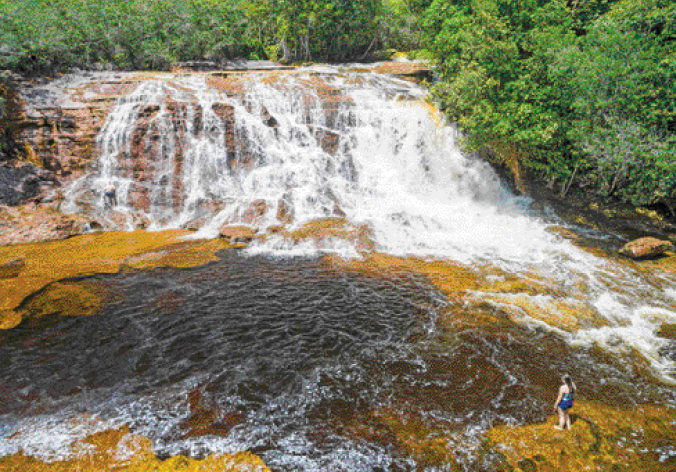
(645,248)
(11,269)
(239,234)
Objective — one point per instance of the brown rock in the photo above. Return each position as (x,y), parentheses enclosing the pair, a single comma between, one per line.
(237,233)
(667,330)
(207,418)
(645,248)
(285,212)
(11,269)
(255,212)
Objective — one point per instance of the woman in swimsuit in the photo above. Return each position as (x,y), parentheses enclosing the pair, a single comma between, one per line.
(564,402)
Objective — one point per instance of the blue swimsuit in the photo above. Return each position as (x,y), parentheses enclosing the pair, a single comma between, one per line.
(566,401)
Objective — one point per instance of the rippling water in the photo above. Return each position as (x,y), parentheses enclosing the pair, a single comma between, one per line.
(310,368)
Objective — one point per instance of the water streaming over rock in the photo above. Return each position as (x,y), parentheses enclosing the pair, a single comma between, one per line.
(312,368)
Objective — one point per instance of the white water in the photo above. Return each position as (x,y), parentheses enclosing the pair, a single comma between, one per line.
(395,168)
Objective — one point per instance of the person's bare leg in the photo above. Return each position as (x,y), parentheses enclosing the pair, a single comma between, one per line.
(567,419)
(562,419)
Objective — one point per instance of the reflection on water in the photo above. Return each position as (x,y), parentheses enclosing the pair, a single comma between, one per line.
(311,369)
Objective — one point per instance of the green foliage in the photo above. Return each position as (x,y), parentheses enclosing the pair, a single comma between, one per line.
(584,89)
(311,30)
(44,35)
(402,24)
(493,57)
(621,81)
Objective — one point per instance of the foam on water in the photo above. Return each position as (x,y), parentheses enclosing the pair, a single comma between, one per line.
(52,437)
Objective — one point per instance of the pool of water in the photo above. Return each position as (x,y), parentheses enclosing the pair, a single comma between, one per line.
(310,368)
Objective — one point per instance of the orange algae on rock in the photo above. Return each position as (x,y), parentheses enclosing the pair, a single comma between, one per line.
(71,298)
(336,228)
(120,450)
(601,437)
(87,255)
(452,278)
(428,447)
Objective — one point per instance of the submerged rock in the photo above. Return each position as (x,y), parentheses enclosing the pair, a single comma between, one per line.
(49,262)
(11,269)
(645,247)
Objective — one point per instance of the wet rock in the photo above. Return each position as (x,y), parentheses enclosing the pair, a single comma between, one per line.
(195,66)
(527,465)
(239,233)
(667,330)
(565,233)
(22,183)
(596,441)
(614,340)
(122,450)
(644,248)
(33,223)
(196,224)
(206,418)
(11,269)
(255,212)
(285,213)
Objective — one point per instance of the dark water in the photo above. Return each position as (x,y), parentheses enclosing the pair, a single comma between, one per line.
(310,369)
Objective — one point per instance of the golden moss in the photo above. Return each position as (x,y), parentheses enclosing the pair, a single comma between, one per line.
(120,450)
(566,314)
(332,228)
(94,254)
(601,438)
(427,446)
(452,278)
(69,298)
(186,254)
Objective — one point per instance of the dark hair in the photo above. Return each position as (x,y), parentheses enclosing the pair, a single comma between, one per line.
(566,378)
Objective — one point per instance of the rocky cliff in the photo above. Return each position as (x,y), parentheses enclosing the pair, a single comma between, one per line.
(55,134)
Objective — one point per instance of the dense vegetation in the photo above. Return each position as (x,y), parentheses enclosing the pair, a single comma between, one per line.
(41,35)
(582,92)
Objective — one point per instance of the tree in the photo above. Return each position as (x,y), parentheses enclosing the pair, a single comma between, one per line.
(621,79)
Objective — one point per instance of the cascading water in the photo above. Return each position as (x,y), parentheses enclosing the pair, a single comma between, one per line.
(363,147)
(313,369)
(371,151)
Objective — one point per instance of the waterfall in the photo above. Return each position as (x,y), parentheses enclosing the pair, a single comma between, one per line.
(303,147)
(206,152)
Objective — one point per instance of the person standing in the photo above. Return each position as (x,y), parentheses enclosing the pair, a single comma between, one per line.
(564,402)
(110,195)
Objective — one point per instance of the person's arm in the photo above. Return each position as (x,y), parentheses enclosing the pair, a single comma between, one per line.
(558,399)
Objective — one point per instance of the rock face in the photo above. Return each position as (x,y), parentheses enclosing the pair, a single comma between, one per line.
(32,222)
(645,248)
(61,119)
(25,182)
(155,126)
